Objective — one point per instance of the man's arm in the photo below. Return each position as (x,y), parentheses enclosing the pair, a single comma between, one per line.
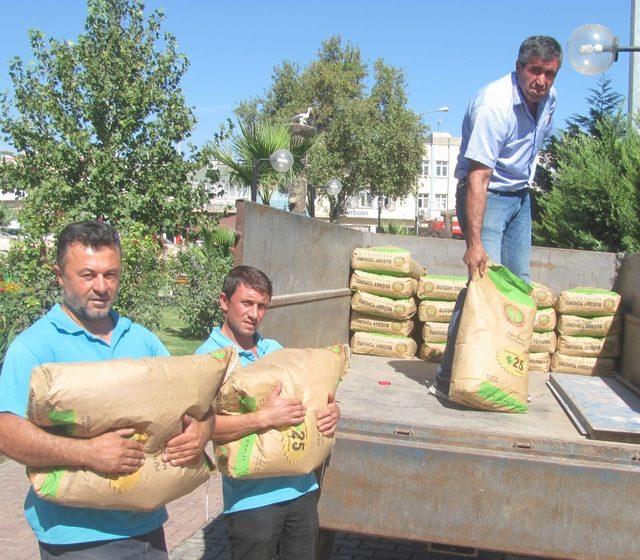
(109,453)
(476,201)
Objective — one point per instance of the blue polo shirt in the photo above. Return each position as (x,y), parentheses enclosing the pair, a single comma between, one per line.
(239,495)
(499,131)
(57,338)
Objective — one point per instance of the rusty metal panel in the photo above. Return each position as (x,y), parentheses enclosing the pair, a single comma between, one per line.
(530,501)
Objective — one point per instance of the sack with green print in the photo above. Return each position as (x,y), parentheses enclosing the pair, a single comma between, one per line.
(383,285)
(386,260)
(368,323)
(542,295)
(432,351)
(491,356)
(588,302)
(436,311)
(379,306)
(544,320)
(443,288)
(150,395)
(309,375)
(387,345)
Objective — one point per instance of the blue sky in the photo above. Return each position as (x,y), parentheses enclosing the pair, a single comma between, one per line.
(448,49)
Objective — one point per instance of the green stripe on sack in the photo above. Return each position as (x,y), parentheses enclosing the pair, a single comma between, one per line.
(52,483)
(387,335)
(491,393)
(242,465)
(393,273)
(247,404)
(62,417)
(599,291)
(386,250)
(510,286)
(453,277)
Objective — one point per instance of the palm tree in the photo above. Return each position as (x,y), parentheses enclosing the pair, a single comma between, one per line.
(256,142)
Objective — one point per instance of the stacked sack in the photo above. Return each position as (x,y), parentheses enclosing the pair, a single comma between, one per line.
(589,332)
(384,281)
(543,343)
(437,295)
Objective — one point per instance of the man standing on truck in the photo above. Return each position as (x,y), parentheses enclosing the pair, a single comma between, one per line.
(504,126)
(85,328)
(266,514)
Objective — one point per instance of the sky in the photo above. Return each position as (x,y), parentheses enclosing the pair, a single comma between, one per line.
(448,49)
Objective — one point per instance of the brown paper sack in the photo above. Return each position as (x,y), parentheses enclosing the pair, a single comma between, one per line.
(491,356)
(544,320)
(582,365)
(387,345)
(435,311)
(397,309)
(607,347)
(366,323)
(432,351)
(150,395)
(435,332)
(588,302)
(590,326)
(386,260)
(306,374)
(542,295)
(444,288)
(383,285)
(543,342)
(539,361)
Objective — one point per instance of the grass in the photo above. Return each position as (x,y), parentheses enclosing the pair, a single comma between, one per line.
(172,334)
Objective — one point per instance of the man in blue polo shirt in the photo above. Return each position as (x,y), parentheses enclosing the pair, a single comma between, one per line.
(268,514)
(84,328)
(504,126)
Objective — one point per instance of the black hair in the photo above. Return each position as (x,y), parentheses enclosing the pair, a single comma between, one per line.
(250,277)
(92,234)
(539,46)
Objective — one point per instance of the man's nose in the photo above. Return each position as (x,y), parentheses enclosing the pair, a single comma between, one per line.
(99,284)
(253,311)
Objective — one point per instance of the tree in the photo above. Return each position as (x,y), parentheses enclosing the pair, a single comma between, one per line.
(97,124)
(594,201)
(603,102)
(254,143)
(367,138)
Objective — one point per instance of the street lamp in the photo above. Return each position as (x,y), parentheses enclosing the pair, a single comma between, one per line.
(333,188)
(281,160)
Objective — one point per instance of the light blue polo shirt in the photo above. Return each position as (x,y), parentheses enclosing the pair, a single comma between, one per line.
(239,495)
(499,131)
(57,338)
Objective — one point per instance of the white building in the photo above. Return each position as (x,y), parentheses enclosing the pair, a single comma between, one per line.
(435,191)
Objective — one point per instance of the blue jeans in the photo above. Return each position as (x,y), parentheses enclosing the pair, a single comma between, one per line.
(506,236)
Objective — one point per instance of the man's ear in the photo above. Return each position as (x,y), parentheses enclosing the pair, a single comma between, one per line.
(224,302)
(58,272)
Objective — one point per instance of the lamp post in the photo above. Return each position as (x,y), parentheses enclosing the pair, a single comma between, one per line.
(432,168)
(592,48)
(333,188)
(281,160)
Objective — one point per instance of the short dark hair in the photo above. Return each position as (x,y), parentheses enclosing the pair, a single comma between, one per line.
(250,276)
(92,234)
(539,46)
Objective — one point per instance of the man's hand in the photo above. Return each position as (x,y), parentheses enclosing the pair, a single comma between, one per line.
(187,448)
(114,453)
(475,257)
(328,418)
(279,412)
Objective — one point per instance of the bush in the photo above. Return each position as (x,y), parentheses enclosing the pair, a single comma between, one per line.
(203,269)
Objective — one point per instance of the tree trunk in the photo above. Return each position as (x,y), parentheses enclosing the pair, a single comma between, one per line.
(298,195)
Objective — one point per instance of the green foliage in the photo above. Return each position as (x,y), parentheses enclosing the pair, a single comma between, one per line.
(367,138)
(603,102)
(594,202)
(97,122)
(28,287)
(255,143)
(6,215)
(144,277)
(394,229)
(203,268)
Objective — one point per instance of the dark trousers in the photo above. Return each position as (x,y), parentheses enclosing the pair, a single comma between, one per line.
(150,546)
(289,528)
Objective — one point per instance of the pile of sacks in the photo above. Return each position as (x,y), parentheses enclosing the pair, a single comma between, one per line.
(437,295)
(543,342)
(589,332)
(384,282)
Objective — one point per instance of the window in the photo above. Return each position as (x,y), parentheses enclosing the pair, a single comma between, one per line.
(440,202)
(442,168)
(425,167)
(423,200)
(366,200)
